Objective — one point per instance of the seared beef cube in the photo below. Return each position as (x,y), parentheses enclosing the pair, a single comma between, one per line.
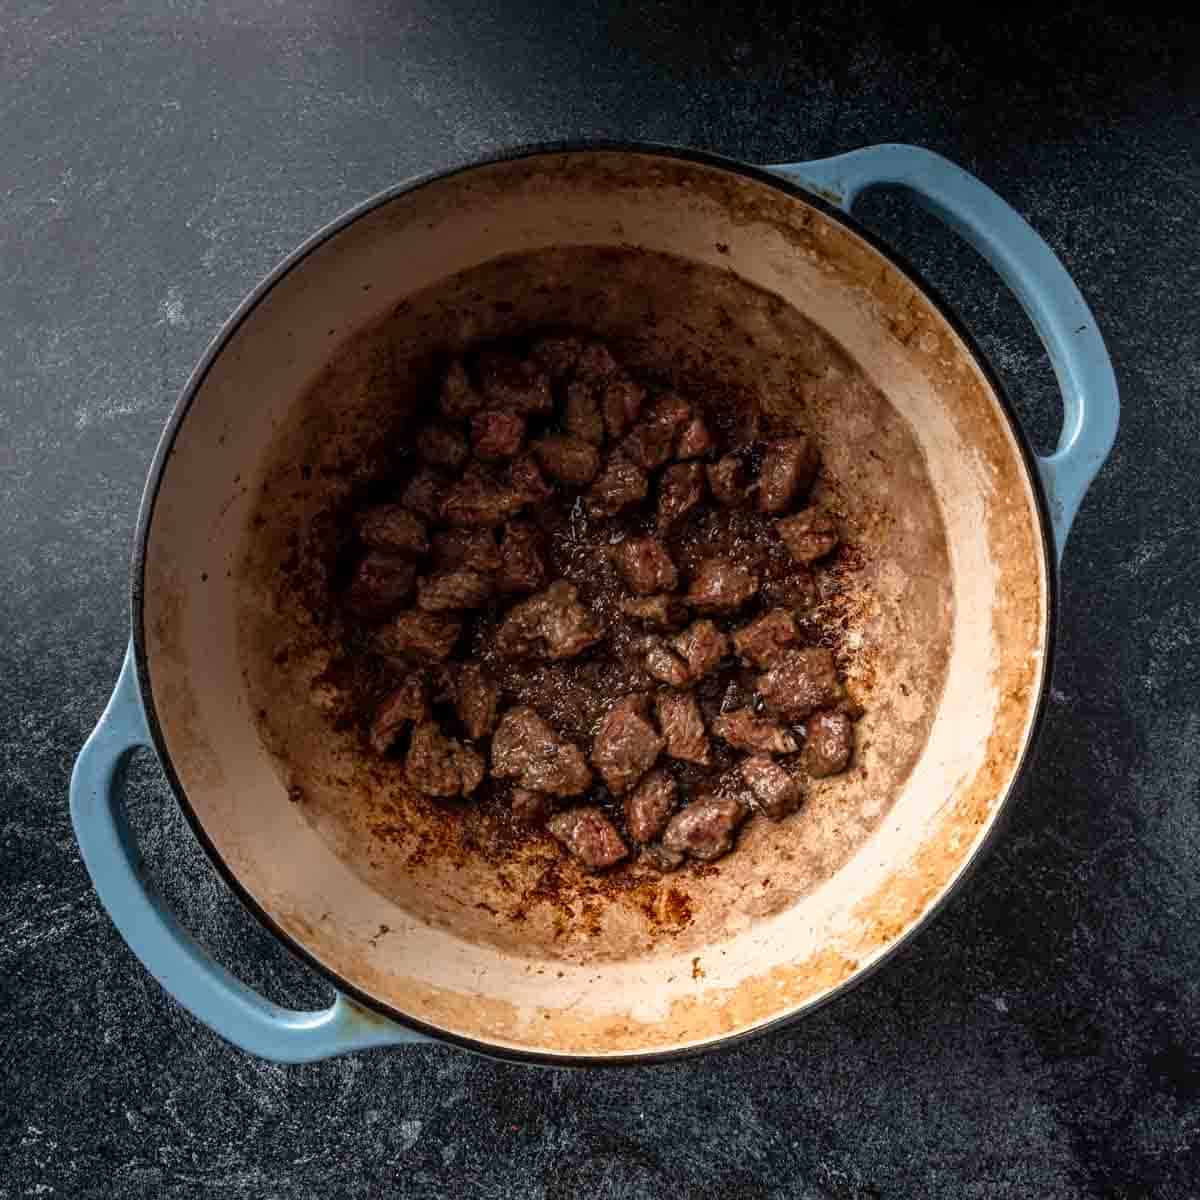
(744,731)
(497,434)
(683,727)
(514,383)
(451,591)
(588,836)
(721,586)
(776,790)
(421,634)
(645,565)
(522,558)
(649,806)
(423,494)
(393,529)
(381,583)
(829,741)
(476,697)
(441,446)
(403,706)
(595,363)
(788,471)
(583,417)
(627,744)
(568,459)
(474,549)
(665,665)
(705,828)
(652,441)
(478,499)
(695,440)
(527,749)
(459,399)
(440,766)
(656,612)
(621,484)
(796,591)
(680,489)
(621,402)
(702,646)
(661,859)
(727,480)
(528,481)
(558,353)
(530,808)
(808,535)
(760,643)
(551,625)
(800,682)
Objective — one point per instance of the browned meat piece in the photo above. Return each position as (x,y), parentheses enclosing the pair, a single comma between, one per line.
(474,549)
(583,416)
(703,646)
(497,434)
(522,558)
(478,499)
(776,791)
(441,446)
(531,808)
(514,383)
(440,766)
(695,440)
(451,591)
(394,529)
(421,634)
(800,682)
(380,584)
(683,727)
(649,806)
(621,403)
(551,625)
(796,591)
(476,698)
(568,459)
(788,471)
(595,364)
(744,731)
(652,441)
(527,749)
(721,586)
(662,859)
(589,836)
(760,643)
(621,484)
(406,705)
(679,491)
(727,480)
(645,565)
(459,399)
(808,535)
(665,665)
(705,828)
(829,741)
(558,354)
(423,494)
(656,612)
(528,481)
(627,744)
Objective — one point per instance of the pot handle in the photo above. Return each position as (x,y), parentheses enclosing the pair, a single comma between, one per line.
(1091,404)
(166,949)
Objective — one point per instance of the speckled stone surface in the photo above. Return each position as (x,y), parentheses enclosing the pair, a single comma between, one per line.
(1040,1040)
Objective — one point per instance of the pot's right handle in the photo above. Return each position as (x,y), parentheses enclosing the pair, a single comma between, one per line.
(1091,405)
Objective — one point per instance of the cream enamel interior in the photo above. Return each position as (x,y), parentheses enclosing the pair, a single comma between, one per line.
(765,964)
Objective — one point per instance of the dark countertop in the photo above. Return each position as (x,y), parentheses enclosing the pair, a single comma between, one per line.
(1040,1039)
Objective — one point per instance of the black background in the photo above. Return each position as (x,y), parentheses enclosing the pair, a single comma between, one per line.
(156,159)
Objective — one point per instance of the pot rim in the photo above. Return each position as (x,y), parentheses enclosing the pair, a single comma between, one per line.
(196,380)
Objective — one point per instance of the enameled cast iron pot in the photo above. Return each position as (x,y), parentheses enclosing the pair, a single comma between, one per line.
(959,529)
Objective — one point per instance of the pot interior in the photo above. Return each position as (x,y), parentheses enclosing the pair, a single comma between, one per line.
(718,283)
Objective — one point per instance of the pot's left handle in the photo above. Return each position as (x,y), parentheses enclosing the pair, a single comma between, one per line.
(166,949)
